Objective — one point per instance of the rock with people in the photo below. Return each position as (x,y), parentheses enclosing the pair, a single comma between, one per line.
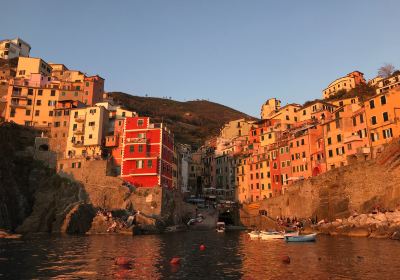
(379,223)
(107,221)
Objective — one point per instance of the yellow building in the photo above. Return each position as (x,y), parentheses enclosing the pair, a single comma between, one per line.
(31,65)
(382,113)
(236,128)
(31,101)
(87,129)
(270,107)
(287,115)
(347,82)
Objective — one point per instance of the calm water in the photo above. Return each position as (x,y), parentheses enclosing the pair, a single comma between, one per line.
(227,256)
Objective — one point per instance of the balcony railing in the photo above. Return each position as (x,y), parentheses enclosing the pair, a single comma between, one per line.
(79,118)
(79,132)
(78,144)
(136,140)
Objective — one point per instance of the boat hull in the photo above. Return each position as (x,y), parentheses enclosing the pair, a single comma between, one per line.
(301,238)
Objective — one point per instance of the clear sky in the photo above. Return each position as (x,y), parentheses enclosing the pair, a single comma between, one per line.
(235,52)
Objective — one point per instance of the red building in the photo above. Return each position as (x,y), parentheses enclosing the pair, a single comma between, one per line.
(147,153)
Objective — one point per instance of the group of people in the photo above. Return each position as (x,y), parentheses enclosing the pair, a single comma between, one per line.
(289,222)
(117,223)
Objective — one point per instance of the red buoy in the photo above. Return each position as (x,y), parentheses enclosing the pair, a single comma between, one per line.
(286,259)
(123,261)
(202,247)
(175,260)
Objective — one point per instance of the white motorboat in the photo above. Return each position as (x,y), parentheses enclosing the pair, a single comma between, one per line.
(255,234)
(270,235)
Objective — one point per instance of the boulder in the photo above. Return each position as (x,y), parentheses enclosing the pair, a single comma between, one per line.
(380,217)
(358,232)
(79,219)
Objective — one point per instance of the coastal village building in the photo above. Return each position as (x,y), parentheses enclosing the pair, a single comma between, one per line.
(270,107)
(147,155)
(12,48)
(87,129)
(32,65)
(384,85)
(382,115)
(347,82)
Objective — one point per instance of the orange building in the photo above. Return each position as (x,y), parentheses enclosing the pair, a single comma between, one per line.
(383,118)
(341,137)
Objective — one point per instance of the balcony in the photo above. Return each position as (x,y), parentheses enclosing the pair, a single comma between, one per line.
(80,119)
(17,105)
(17,94)
(77,144)
(79,132)
(112,141)
(136,140)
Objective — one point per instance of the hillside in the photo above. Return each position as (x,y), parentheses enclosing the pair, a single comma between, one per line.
(191,121)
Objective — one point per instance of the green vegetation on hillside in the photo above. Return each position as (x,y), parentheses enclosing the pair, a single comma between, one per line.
(192,122)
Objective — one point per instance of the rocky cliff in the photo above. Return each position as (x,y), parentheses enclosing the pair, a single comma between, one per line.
(34,198)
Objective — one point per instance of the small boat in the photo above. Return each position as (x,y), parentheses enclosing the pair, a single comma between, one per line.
(220,227)
(270,235)
(301,238)
(255,234)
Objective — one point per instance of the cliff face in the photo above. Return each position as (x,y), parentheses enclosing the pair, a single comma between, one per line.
(33,198)
(338,193)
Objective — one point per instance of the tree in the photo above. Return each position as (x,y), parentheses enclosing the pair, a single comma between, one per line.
(386,70)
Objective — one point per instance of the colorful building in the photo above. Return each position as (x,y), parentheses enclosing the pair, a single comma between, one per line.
(12,48)
(346,83)
(382,117)
(147,155)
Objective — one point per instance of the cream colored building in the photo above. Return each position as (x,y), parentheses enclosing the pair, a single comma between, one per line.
(31,65)
(344,83)
(87,129)
(14,48)
(311,110)
(270,107)
(287,115)
(236,128)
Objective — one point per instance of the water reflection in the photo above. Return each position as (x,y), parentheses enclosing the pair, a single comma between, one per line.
(227,256)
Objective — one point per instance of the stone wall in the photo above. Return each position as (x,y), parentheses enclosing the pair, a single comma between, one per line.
(338,193)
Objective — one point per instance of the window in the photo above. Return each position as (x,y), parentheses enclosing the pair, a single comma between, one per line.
(349,146)
(330,153)
(372,104)
(29,102)
(361,118)
(383,100)
(139,164)
(38,102)
(51,113)
(374,137)
(387,133)
(37,113)
(87,84)
(27,112)
(287,117)
(329,141)
(373,120)
(354,121)
(339,138)
(30,91)
(90,136)
(140,148)
(328,127)
(302,141)
(131,149)
(53,93)
(385,116)
(140,122)
(150,163)
(92,123)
